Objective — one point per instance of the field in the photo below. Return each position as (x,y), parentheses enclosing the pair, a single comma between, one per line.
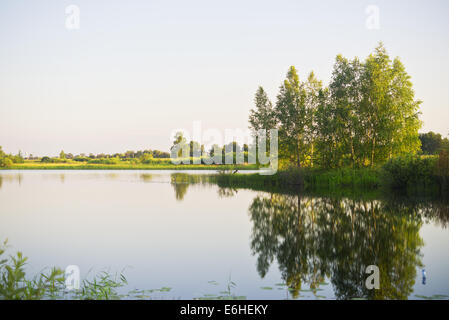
(122,165)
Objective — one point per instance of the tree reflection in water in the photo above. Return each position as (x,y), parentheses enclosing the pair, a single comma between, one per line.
(181,182)
(318,238)
(315,238)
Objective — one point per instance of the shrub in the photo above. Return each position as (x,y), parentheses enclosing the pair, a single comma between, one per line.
(442,170)
(104,161)
(5,162)
(17,159)
(332,179)
(81,159)
(410,172)
(53,160)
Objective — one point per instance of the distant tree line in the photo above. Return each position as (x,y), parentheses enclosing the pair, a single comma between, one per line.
(197,150)
(6,160)
(145,156)
(433,143)
(136,156)
(366,115)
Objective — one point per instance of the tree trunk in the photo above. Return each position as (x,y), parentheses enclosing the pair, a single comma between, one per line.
(298,158)
(390,155)
(352,152)
(300,222)
(311,158)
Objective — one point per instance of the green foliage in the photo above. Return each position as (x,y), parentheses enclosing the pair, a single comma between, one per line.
(367,115)
(337,116)
(18,158)
(146,158)
(102,287)
(295,107)
(46,159)
(81,159)
(193,153)
(413,173)
(104,161)
(179,144)
(433,143)
(307,179)
(149,159)
(370,114)
(15,286)
(6,161)
(442,171)
(319,179)
(263,116)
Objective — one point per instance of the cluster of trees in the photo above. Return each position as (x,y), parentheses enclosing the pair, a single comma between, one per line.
(197,150)
(6,160)
(433,143)
(142,156)
(366,115)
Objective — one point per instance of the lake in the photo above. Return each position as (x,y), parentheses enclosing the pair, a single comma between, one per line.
(197,239)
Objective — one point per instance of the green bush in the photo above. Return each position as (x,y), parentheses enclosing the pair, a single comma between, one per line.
(81,159)
(442,171)
(332,179)
(151,160)
(15,286)
(104,161)
(410,172)
(5,162)
(53,160)
(17,159)
(305,178)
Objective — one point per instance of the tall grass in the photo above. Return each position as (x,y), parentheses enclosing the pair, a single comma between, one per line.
(50,285)
(415,174)
(305,179)
(15,285)
(319,179)
(410,174)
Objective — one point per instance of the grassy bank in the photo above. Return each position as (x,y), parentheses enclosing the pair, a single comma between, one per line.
(32,165)
(305,180)
(410,174)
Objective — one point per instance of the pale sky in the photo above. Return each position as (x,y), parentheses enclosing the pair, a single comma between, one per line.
(136,70)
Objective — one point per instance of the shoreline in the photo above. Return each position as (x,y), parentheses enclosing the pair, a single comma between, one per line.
(128,167)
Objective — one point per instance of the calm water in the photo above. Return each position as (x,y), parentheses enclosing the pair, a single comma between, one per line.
(194,237)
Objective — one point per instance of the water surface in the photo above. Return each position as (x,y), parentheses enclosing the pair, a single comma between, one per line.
(196,238)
